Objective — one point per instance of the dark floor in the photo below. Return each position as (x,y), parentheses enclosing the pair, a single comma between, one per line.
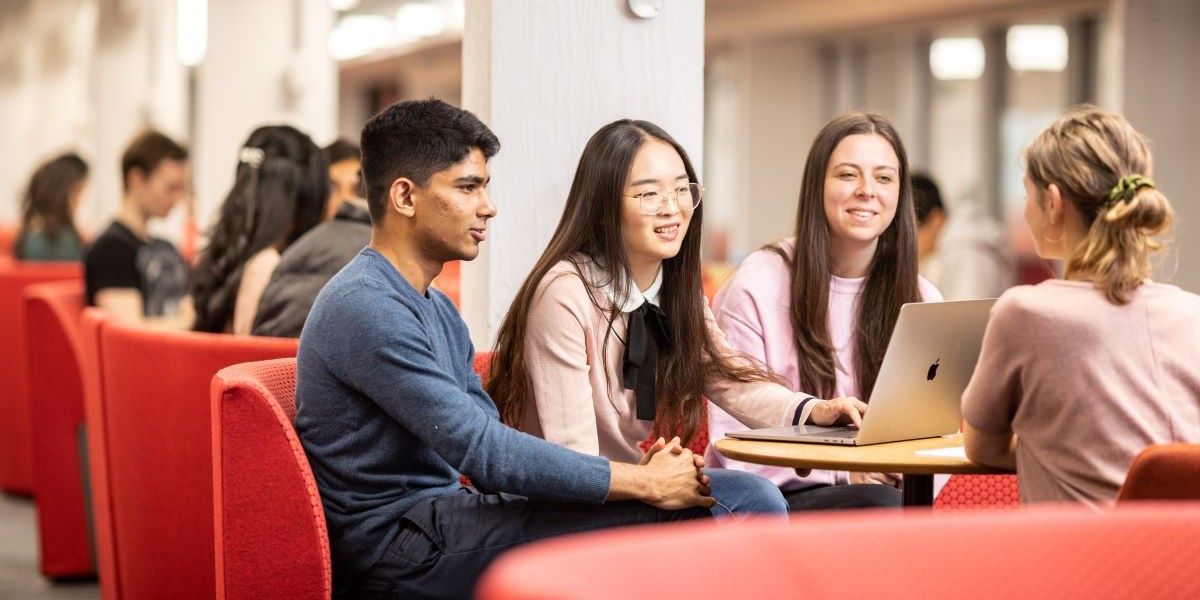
(19,577)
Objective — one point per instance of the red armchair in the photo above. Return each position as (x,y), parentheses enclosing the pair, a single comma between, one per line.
(147,401)
(8,237)
(56,401)
(1144,552)
(978,492)
(1164,472)
(16,447)
(270,535)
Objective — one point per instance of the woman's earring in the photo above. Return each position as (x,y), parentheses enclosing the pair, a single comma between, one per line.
(1056,240)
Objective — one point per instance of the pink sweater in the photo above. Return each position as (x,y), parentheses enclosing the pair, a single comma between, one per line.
(752,309)
(578,400)
(1085,384)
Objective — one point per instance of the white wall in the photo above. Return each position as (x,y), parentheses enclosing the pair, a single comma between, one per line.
(256,74)
(1160,84)
(44,103)
(136,83)
(545,76)
(767,105)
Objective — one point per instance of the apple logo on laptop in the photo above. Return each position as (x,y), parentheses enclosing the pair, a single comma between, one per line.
(932,370)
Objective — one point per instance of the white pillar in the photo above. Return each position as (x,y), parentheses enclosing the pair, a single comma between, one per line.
(266,64)
(45,52)
(545,76)
(137,83)
(1159,83)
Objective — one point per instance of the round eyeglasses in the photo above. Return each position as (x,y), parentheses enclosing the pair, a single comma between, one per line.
(685,196)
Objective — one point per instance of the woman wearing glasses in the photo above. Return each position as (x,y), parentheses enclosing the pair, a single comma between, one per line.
(818,308)
(610,338)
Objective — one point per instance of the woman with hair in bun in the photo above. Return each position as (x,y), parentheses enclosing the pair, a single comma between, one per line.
(279,193)
(1078,375)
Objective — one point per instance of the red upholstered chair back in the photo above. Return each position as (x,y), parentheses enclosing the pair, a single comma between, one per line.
(1164,472)
(91,322)
(8,238)
(483,365)
(271,540)
(1146,552)
(16,446)
(978,492)
(54,349)
(151,441)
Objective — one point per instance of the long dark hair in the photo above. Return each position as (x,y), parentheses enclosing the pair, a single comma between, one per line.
(890,283)
(279,192)
(591,226)
(48,197)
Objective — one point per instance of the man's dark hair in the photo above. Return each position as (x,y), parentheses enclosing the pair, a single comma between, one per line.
(147,151)
(415,139)
(926,196)
(342,149)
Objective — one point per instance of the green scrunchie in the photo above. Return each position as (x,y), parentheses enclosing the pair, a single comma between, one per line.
(1128,186)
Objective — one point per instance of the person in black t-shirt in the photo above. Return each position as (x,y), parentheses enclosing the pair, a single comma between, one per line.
(127,272)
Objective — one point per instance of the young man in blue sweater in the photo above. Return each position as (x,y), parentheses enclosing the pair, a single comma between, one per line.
(390,411)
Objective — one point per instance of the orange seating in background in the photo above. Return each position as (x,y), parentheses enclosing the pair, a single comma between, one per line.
(449,282)
(1164,472)
(147,403)
(8,239)
(270,534)
(1146,552)
(16,447)
(979,491)
(53,348)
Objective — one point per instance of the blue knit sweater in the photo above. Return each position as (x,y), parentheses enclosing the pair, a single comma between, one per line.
(391,412)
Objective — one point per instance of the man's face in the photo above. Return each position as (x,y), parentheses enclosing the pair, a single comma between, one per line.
(451,212)
(162,189)
(343,178)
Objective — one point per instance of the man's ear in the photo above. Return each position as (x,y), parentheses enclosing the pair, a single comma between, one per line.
(135,179)
(400,197)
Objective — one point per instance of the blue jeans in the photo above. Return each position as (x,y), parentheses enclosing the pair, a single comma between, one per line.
(740,494)
(445,543)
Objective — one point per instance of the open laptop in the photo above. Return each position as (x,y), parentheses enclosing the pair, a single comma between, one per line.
(918,393)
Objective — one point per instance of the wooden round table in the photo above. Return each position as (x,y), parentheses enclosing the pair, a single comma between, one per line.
(895,457)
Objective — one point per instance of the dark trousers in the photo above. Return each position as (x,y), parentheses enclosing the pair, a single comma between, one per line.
(835,497)
(445,543)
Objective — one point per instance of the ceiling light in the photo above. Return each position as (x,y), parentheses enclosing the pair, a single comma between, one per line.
(956,58)
(1037,48)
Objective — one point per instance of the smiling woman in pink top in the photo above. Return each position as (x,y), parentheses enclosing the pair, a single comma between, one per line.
(820,315)
(610,338)
(1079,375)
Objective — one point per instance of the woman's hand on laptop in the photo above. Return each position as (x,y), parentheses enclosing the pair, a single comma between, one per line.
(838,411)
(892,479)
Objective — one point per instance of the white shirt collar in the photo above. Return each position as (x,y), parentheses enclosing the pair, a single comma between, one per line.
(636,296)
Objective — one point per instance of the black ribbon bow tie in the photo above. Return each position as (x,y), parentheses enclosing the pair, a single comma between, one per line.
(648,332)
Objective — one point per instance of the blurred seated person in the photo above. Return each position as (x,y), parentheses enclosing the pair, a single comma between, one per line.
(129,273)
(965,254)
(48,212)
(307,265)
(279,193)
(345,174)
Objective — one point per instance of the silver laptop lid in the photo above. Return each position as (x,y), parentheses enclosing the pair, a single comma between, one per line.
(928,363)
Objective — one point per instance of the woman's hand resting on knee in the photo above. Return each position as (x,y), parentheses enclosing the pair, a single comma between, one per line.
(892,479)
(669,476)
